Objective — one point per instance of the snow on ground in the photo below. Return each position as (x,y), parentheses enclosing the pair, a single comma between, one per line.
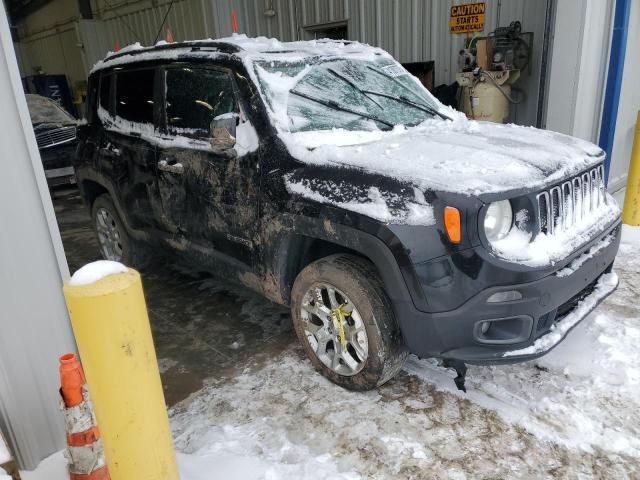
(51,468)
(582,397)
(4,458)
(572,413)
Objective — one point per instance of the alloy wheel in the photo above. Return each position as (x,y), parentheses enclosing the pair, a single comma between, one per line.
(108,235)
(334,329)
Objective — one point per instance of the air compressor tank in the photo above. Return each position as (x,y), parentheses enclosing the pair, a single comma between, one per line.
(485,95)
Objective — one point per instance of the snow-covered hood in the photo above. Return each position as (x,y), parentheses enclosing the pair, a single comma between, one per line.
(460,156)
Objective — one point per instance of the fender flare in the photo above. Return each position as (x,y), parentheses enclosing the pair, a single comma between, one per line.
(105,183)
(290,242)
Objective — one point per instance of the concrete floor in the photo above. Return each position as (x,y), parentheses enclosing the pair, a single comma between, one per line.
(202,329)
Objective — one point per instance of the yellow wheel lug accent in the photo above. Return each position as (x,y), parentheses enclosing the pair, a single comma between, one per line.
(338,315)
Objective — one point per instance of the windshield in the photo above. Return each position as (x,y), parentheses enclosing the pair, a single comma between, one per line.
(44,110)
(352,94)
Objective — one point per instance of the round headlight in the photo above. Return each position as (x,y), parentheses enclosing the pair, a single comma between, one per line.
(498,220)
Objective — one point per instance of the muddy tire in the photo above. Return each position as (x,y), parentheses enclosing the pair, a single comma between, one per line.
(113,239)
(367,350)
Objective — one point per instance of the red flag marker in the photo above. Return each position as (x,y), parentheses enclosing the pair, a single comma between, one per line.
(234,21)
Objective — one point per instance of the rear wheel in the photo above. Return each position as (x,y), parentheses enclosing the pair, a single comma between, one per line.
(344,319)
(115,243)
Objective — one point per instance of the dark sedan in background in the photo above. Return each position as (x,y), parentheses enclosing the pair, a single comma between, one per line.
(55,131)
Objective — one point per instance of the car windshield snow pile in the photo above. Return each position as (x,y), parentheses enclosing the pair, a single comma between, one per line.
(351,94)
(43,110)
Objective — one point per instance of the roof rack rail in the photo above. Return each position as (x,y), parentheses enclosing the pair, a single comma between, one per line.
(335,40)
(195,45)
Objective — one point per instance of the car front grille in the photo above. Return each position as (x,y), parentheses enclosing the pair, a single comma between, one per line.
(55,137)
(564,205)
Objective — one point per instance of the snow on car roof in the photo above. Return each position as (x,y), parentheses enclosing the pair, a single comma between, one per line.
(246,48)
(307,48)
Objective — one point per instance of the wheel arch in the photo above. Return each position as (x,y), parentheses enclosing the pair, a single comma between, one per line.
(93,186)
(304,244)
(91,190)
(297,250)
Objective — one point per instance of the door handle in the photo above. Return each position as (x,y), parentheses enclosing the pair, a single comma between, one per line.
(175,168)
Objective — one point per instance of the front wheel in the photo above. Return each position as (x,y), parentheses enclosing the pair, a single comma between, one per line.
(343,317)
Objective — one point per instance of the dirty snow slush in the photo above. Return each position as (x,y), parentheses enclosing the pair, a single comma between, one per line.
(572,413)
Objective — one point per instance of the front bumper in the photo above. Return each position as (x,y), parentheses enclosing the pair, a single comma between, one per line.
(527,327)
(60,176)
(58,164)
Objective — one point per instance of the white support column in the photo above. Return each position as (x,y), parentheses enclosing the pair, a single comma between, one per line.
(34,327)
(579,59)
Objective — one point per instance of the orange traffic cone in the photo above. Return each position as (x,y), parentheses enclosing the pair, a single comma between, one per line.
(85,452)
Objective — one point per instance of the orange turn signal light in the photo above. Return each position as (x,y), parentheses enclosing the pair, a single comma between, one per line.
(452,224)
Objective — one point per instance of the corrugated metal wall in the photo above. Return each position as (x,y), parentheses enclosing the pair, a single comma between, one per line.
(50,42)
(55,52)
(138,21)
(411,30)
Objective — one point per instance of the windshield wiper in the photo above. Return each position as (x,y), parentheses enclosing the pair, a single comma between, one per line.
(406,101)
(353,85)
(337,106)
(403,99)
(399,98)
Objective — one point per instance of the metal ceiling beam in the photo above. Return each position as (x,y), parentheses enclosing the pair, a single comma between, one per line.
(18,9)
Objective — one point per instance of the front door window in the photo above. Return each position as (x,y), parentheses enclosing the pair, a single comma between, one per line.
(195,97)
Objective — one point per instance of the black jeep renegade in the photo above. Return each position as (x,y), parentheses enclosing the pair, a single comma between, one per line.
(326,177)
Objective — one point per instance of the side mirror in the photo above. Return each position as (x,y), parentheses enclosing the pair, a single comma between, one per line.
(223,131)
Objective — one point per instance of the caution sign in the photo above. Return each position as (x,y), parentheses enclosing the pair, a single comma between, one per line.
(467,18)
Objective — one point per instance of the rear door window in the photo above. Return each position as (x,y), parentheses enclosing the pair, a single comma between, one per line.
(93,97)
(195,96)
(134,95)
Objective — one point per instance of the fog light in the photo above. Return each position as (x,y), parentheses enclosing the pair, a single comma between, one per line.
(503,330)
(508,296)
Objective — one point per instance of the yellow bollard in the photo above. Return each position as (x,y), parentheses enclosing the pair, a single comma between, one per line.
(111,326)
(631,210)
